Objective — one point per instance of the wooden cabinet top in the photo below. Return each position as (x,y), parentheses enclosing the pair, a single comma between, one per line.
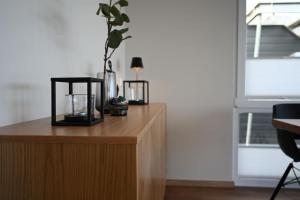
(114,130)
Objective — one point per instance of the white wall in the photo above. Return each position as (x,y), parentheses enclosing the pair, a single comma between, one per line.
(42,39)
(188,49)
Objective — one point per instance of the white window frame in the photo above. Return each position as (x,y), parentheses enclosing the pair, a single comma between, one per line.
(241,100)
(243,103)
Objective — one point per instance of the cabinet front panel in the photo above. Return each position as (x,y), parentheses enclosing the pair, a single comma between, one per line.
(30,171)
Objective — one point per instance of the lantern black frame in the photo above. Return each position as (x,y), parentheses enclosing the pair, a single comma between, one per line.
(145,86)
(70,81)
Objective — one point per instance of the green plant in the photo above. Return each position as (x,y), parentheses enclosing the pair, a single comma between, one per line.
(112,12)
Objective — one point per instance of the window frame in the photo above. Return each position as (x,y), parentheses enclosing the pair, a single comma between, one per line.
(243,103)
(241,100)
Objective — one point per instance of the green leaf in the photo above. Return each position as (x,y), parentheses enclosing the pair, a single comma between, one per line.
(104,9)
(114,39)
(121,99)
(124,30)
(123,3)
(114,23)
(115,11)
(117,22)
(125,18)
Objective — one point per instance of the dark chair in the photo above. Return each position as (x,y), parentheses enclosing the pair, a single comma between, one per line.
(287,143)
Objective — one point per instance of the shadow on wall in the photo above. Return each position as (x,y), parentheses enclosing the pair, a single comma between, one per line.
(22,100)
(88,69)
(191,127)
(54,22)
(117,66)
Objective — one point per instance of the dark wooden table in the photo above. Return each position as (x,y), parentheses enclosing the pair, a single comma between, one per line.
(292,125)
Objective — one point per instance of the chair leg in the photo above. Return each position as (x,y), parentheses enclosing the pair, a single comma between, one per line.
(281,182)
(297,179)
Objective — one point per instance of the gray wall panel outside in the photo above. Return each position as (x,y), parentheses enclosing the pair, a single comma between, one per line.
(276,41)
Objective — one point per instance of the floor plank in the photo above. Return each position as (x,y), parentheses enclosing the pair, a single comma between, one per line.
(197,193)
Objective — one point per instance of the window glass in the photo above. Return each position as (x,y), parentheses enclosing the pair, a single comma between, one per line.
(256,128)
(273,28)
(272,77)
(272,66)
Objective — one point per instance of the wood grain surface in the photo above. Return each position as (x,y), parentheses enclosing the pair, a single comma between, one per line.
(67,171)
(193,183)
(99,164)
(113,130)
(237,193)
(151,161)
(292,125)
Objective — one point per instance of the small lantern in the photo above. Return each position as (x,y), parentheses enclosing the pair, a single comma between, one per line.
(136,92)
(79,108)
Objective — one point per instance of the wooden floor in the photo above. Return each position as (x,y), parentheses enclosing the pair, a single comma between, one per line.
(197,193)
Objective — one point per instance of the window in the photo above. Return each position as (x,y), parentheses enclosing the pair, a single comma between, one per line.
(273,28)
(269,49)
(268,73)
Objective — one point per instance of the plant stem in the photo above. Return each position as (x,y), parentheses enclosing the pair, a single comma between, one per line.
(111,54)
(126,38)
(109,27)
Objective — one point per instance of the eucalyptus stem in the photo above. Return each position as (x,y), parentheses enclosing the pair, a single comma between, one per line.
(111,53)
(106,43)
(114,17)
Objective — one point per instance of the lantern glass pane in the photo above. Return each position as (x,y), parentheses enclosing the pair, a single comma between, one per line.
(76,105)
(134,91)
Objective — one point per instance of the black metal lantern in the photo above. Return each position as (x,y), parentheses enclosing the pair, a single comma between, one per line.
(136,92)
(79,107)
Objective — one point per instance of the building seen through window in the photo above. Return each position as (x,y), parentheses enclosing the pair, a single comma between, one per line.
(273,28)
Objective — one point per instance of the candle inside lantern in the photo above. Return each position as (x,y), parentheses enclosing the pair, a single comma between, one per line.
(132,93)
(76,107)
(136,91)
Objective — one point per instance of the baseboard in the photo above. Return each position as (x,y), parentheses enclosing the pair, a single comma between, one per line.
(260,182)
(255,182)
(196,183)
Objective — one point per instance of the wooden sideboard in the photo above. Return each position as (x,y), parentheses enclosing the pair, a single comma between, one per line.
(122,158)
